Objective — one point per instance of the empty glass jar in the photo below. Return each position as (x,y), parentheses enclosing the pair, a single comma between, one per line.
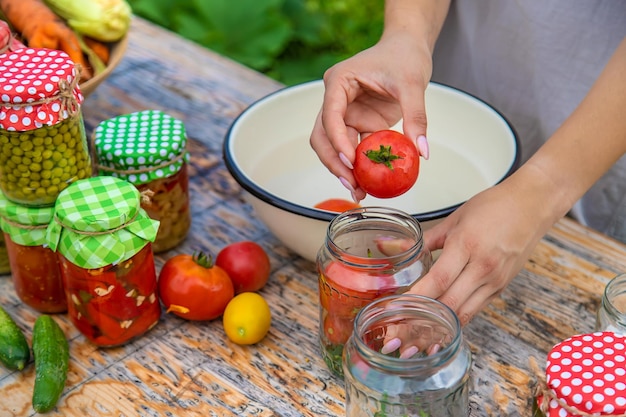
(433,381)
(612,311)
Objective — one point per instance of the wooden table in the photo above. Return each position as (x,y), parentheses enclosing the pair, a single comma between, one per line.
(185,368)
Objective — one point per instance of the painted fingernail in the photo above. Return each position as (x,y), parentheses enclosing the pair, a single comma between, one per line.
(409,352)
(391,346)
(422,145)
(433,349)
(346,184)
(344,159)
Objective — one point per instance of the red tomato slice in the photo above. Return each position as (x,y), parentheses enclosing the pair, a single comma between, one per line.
(386,164)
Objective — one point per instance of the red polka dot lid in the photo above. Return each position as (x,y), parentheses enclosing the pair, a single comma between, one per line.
(37,87)
(586,375)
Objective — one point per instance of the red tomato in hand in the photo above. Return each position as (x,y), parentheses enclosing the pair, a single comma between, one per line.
(247,265)
(193,288)
(386,164)
(338,205)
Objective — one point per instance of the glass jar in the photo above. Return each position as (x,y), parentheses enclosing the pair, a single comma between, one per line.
(148,149)
(103,240)
(5,266)
(584,376)
(44,147)
(611,314)
(368,253)
(432,382)
(34,266)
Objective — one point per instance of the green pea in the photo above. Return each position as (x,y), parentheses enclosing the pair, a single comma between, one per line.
(35,167)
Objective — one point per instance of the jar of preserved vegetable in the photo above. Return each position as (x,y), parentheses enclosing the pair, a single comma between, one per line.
(369,252)
(148,149)
(611,315)
(44,148)
(431,381)
(585,375)
(103,240)
(34,266)
(5,266)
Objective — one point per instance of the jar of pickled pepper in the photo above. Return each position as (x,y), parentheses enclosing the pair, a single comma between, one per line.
(148,149)
(368,253)
(585,375)
(103,240)
(433,380)
(34,266)
(44,147)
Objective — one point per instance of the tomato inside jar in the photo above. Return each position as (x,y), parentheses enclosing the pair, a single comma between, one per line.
(113,304)
(369,252)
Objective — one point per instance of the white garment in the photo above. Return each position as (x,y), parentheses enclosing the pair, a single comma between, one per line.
(534,61)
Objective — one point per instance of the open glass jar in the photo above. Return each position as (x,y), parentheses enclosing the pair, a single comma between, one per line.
(611,314)
(432,382)
(368,253)
(103,240)
(148,149)
(44,147)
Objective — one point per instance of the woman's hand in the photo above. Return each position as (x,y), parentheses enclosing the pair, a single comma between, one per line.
(368,92)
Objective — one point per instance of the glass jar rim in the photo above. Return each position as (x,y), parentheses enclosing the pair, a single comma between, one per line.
(347,219)
(378,310)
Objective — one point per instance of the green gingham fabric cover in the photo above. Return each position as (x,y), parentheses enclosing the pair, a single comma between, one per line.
(100,204)
(29,217)
(142,140)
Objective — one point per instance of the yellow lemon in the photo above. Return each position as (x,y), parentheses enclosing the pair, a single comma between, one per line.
(247,318)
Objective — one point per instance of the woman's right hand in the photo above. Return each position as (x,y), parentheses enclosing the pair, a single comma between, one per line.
(372,91)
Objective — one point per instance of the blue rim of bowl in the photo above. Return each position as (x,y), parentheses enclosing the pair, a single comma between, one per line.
(247,184)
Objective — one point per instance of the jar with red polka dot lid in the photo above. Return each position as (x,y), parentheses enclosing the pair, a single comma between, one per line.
(44,147)
(585,376)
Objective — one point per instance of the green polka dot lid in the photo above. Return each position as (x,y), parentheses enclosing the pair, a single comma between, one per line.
(25,225)
(140,147)
(98,221)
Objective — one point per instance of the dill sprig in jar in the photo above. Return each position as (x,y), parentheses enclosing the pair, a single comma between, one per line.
(103,240)
(148,149)
(44,147)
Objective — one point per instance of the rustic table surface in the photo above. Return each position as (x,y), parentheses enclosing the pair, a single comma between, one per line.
(185,368)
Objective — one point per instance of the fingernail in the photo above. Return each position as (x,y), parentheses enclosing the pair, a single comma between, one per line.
(391,346)
(346,184)
(344,159)
(409,352)
(433,349)
(422,145)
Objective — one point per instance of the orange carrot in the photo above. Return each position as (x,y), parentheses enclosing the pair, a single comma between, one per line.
(42,28)
(100,48)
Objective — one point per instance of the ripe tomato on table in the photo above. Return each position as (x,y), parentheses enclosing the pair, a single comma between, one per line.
(247,265)
(193,288)
(386,164)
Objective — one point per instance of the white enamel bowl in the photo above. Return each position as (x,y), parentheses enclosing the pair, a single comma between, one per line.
(267,151)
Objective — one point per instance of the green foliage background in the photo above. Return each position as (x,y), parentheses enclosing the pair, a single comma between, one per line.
(291,41)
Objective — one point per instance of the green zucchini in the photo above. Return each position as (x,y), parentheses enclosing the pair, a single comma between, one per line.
(14,350)
(52,355)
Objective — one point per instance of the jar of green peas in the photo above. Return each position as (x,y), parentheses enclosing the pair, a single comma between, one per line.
(42,135)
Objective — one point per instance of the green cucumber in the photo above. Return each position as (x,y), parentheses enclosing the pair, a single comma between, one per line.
(14,350)
(52,355)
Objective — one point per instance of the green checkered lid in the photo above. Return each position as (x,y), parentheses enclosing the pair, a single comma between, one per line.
(98,221)
(25,225)
(140,147)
